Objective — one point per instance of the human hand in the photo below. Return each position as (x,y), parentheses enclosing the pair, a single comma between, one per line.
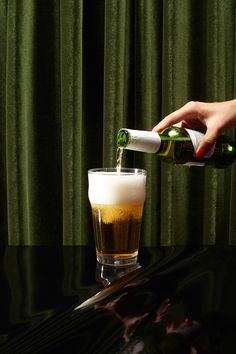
(210,118)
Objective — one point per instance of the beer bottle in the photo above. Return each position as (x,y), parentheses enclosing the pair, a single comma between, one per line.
(178,145)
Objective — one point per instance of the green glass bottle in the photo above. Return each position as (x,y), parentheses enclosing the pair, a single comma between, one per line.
(178,145)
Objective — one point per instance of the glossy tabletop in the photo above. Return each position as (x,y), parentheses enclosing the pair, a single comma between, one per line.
(175,300)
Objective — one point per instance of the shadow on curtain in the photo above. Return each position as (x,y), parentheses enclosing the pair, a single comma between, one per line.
(72,74)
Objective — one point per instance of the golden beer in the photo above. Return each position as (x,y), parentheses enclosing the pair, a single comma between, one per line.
(117,201)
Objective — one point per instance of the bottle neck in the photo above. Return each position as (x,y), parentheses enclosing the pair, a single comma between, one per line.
(139,140)
(163,147)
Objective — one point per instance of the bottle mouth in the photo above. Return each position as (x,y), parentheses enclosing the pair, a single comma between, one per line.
(123,137)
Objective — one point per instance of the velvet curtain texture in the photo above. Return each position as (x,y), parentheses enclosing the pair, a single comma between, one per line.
(72,73)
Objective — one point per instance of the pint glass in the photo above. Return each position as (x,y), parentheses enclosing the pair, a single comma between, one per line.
(117,200)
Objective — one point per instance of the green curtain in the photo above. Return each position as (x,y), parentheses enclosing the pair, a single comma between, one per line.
(72,73)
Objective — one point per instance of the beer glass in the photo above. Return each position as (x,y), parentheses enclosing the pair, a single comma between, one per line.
(117,199)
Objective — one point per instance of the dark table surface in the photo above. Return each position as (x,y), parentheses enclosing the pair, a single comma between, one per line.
(176,300)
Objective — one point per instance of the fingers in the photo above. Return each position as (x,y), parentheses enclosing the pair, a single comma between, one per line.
(190,111)
(168,121)
(207,143)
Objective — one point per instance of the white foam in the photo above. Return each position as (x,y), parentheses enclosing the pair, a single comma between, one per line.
(116,188)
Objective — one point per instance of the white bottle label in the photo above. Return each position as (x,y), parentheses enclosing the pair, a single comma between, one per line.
(145,141)
(196,137)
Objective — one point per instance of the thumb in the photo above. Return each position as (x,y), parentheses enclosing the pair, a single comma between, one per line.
(207,144)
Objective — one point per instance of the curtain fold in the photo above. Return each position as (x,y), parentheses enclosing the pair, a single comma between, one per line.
(32,123)
(72,74)
(72,115)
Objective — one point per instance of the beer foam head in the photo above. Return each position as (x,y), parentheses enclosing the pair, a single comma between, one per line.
(116,188)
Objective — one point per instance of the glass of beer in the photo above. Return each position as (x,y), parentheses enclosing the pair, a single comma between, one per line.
(117,198)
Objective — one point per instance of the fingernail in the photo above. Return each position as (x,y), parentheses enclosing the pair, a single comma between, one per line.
(200,153)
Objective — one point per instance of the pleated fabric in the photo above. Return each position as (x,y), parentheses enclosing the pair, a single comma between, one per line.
(72,73)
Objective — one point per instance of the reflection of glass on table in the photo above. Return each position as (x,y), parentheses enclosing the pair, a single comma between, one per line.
(108,275)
